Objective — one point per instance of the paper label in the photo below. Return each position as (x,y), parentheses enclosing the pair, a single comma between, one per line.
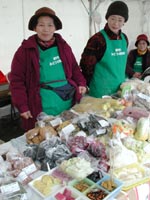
(103,123)
(147,148)
(126,91)
(56,122)
(68,129)
(143,96)
(10,188)
(23,197)
(30,169)
(22,176)
(100,131)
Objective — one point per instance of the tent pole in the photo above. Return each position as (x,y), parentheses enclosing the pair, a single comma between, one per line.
(90,18)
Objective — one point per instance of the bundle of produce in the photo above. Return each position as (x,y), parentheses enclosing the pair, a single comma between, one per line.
(131,84)
(122,126)
(139,91)
(143,129)
(120,153)
(141,148)
(142,100)
(105,107)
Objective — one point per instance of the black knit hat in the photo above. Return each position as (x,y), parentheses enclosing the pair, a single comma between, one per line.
(118,8)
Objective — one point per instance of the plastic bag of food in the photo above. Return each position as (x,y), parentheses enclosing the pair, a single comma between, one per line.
(10,189)
(121,155)
(143,129)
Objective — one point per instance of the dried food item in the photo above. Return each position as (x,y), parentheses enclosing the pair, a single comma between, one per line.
(31,151)
(109,185)
(68,115)
(77,144)
(96,194)
(21,167)
(81,186)
(40,154)
(93,125)
(97,149)
(39,134)
(31,134)
(61,153)
(95,176)
(52,151)
(47,162)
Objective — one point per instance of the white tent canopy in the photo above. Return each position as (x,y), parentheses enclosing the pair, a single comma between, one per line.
(80,18)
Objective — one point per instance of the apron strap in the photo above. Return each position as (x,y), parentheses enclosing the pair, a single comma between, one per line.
(45,86)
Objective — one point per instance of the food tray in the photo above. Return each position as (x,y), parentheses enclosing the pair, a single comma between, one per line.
(111,194)
(51,189)
(132,175)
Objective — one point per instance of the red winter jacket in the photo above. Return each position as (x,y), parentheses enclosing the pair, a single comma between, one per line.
(25,76)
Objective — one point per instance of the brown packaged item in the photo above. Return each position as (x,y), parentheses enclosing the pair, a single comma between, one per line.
(38,134)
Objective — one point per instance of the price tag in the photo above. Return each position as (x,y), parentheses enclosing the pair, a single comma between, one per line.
(10,188)
(103,123)
(144,96)
(22,176)
(30,169)
(100,131)
(147,148)
(23,197)
(56,122)
(68,129)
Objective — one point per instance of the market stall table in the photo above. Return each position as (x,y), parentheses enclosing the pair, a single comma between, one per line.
(141,192)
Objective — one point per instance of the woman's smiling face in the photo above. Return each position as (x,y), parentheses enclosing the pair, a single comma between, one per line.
(115,23)
(142,45)
(45,28)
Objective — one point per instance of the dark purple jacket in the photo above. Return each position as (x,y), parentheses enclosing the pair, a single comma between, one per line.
(25,76)
(131,60)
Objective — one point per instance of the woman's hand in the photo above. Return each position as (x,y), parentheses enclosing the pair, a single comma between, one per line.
(26,115)
(82,90)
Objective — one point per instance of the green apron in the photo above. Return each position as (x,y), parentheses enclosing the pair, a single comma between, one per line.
(51,68)
(109,72)
(138,64)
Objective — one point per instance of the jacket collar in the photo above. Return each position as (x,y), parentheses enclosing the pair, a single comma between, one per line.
(111,34)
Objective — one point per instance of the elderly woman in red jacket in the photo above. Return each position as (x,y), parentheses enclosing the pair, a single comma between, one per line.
(43,63)
(139,58)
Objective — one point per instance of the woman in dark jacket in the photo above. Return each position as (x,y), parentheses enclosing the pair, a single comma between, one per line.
(138,59)
(44,60)
(103,60)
